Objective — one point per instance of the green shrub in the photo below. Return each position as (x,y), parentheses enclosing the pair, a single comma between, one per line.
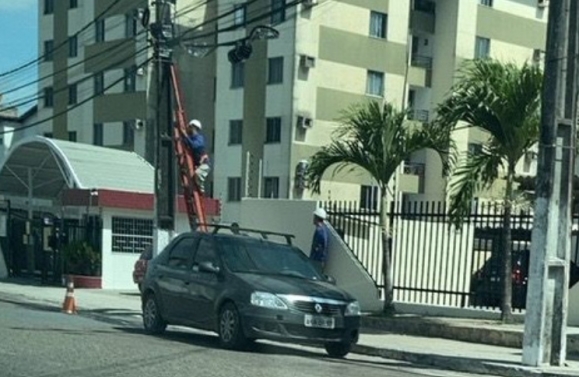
(81,259)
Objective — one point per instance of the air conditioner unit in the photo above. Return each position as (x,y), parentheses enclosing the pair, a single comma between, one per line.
(309,3)
(304,122)
(138,125)
(542,3)
(307,61)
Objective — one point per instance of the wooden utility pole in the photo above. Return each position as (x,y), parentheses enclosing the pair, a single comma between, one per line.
(160,92)
(545,337)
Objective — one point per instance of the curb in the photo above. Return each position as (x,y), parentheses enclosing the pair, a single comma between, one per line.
(459,364)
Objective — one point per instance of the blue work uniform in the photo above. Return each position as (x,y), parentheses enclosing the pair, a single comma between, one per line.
(319,251)
(197,144)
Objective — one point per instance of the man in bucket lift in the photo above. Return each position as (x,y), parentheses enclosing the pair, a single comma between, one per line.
(196,142)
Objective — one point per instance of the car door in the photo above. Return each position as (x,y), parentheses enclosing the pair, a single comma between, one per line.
(204,285)
(172,278)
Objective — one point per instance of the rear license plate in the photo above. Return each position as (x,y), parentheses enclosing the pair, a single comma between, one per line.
(319,322)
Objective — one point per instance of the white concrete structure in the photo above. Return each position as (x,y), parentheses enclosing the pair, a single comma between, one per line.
(295,217)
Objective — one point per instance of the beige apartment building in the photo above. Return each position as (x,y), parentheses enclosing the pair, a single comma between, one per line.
(280,106)
(93,80)
(267,116)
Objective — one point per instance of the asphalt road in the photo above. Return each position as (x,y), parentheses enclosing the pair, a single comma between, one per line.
(37,341)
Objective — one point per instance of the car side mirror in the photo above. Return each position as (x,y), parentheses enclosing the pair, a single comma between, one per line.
(330,279)
(209,267)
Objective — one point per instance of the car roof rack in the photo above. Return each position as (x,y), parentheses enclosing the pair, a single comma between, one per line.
(263,233)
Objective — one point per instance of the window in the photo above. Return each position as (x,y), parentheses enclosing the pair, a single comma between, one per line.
(72,94)
(237,75)
(131,235)
(73,47)
(205,252)
(130,25)
(375,84)
(369,196)
(277,11)
(474,148)
(48,50)
(97,134)
(234,189)
(128,132)
(482,48)
(239,14)
(271,187)
(378,24)
(235,132)
(72,4)
(488,3)
(99,83)
(130,79)
(273,130)
(48,6)
(48,97)
(181,253)
(100,31)
(72,136)
(275,70)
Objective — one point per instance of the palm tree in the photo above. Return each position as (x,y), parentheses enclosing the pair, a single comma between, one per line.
(503,99)
(377,138)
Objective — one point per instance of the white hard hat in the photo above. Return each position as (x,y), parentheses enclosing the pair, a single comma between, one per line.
(321,213)
(195,123)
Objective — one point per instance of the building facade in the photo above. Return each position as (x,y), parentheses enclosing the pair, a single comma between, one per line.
(95,77)
(277,108)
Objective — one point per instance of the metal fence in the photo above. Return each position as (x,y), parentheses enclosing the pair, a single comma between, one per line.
(437,263)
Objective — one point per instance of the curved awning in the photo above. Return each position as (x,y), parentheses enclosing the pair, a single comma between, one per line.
(47,166)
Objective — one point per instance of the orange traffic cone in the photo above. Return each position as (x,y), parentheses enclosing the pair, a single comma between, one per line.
(69,304)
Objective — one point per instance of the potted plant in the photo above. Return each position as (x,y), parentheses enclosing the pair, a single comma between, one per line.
(83,264)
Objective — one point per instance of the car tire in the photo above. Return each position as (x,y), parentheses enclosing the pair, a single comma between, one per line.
(338,350)
(153,323)
(230,331)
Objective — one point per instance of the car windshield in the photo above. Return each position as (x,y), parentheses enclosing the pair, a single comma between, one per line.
(256,256)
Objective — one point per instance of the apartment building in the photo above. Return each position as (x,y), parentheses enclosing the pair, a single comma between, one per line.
(276,109)
(94,85)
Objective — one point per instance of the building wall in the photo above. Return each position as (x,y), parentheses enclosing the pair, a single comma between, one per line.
(117,267)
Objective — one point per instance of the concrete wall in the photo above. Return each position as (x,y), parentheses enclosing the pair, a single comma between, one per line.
(117,268)
(295,217)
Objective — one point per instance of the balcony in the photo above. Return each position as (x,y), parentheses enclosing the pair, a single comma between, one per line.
(423,16)
(421,61)
(420,71)
(419,115)
(412,178)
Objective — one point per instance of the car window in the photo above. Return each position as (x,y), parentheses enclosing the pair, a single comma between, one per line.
(266,257)
(180,254)
(205,252)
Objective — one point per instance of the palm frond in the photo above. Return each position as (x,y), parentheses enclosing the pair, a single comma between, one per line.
(476,173)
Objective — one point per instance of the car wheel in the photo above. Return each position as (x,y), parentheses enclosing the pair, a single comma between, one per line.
(338,350)
(230,331)
(153,323)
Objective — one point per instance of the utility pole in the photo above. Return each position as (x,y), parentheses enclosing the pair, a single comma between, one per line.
(545,338)
(160,93)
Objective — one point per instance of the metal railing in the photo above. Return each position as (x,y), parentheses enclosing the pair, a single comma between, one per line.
(421,61)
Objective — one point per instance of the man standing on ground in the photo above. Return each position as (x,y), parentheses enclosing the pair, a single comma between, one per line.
(319,251)
(196,141)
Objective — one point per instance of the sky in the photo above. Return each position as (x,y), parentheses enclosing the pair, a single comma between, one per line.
(18,45)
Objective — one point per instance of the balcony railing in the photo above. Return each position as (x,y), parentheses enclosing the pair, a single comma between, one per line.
(413,168)
(419,115)
(421,61)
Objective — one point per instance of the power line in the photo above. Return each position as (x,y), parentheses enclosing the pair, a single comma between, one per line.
(70,108)
(65,42)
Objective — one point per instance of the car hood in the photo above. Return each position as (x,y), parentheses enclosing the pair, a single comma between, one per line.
(287,285)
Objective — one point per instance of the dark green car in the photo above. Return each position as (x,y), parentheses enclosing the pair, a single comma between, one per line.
(247,288)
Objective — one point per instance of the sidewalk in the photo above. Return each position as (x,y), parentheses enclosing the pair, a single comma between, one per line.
(123,307)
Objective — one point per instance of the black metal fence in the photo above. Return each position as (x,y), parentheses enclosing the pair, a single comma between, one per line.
(437,263)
